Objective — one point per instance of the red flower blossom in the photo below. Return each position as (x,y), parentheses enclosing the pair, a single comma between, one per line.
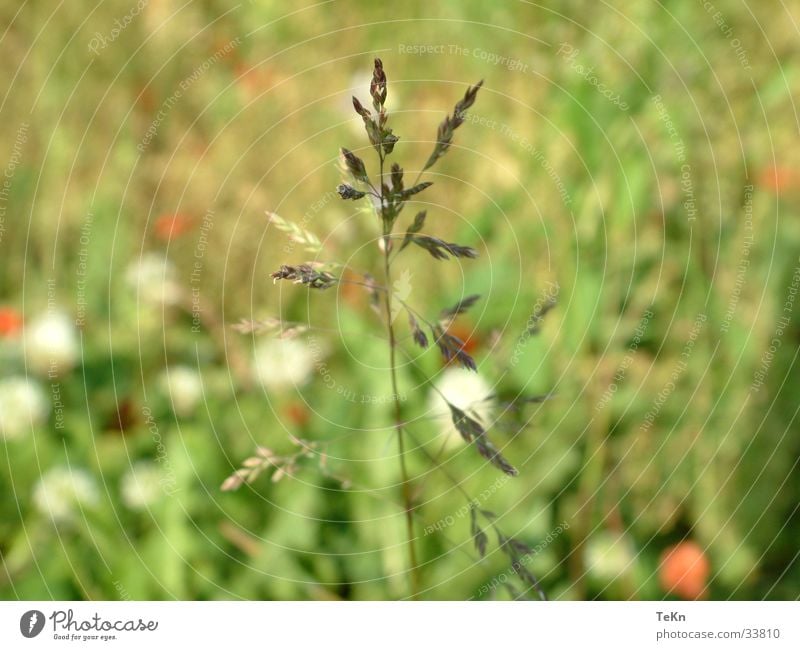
(297,413)
(10,322)
(778,178)
(467,334)
(253,80)
(170,226)
(684,570)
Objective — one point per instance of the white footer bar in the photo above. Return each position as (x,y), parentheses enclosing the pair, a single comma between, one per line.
(386,626)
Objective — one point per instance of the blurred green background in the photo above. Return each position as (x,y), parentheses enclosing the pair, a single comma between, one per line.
(640,157)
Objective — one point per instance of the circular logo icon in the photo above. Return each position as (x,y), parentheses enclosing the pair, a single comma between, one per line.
(31,623)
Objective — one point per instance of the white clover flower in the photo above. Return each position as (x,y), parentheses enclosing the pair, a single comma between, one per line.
(61,492)
(141,486)
(281,363)
(153,277)
(183,387)
(51,344)
(465,390)
(608,556)
(23,405)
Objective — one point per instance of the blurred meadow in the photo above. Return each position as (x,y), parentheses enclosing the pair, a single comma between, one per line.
(635,162)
